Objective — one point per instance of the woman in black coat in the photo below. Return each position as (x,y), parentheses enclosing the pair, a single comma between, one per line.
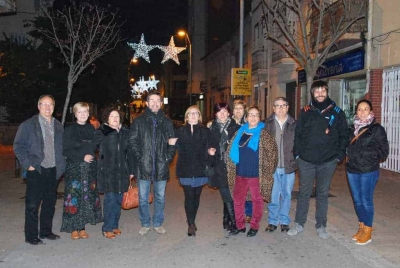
(368,147)
(81,198)
(222,130)
(192,155)
(113,169)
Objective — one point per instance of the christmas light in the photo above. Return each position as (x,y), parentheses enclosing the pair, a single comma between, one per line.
(141,49)
(171,51)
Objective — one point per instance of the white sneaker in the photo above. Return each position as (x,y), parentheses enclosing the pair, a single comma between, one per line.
(144,230)
(294,230)
(160,230)
(322,233)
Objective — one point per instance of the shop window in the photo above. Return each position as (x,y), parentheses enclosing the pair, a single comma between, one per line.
(354,90)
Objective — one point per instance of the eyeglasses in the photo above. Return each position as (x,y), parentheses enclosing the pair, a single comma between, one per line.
(280,106)
(46,104)
(253,115)
(193,113)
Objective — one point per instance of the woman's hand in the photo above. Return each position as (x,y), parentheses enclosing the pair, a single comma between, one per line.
(88,158)
(211,151)
(172,141)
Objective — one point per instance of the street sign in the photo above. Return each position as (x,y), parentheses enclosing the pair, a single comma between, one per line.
(240,81)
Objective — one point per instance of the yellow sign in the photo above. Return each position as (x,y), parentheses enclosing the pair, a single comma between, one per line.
(241,81)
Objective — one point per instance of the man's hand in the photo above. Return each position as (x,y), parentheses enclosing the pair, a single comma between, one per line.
(31,168)
(88,158)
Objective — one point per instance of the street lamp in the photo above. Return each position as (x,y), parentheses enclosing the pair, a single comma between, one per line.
(183,33)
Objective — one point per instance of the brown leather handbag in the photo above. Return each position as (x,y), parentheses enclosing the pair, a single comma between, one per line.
(130,198)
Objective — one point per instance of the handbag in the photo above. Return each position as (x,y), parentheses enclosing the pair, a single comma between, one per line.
(130,198)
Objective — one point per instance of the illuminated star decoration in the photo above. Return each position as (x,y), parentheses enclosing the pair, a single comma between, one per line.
(171,51)
(152,83)
(142,85)
(141,49)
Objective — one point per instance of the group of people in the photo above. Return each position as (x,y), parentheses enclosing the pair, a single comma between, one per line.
(249,161)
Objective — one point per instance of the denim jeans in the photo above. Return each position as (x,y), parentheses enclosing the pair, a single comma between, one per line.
(248,208)
(278,209)
(322,173)
(159,202)
(362,188)
(242,185)
(41,188)
(111,211)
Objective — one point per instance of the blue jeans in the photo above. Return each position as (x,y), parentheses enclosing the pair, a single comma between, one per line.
(278,209)
(111,211)
(159,202)
(248,208)
(362,188)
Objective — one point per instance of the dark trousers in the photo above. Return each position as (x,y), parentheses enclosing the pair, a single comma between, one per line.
(192,202)
(111,211)
(323,174)
(226,195)
(41,188)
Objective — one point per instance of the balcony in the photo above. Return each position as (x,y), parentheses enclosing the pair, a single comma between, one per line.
(259,67)
(7,7)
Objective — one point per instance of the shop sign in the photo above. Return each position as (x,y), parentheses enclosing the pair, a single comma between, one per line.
(350,62)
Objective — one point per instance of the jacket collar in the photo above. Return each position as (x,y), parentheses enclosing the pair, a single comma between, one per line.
(290,120)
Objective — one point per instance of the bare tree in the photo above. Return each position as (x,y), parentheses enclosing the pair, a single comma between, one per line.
(83,34)
(308,29)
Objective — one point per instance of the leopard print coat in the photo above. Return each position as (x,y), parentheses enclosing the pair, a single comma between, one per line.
(268,157)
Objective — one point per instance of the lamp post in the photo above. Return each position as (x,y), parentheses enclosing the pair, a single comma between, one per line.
(183,33)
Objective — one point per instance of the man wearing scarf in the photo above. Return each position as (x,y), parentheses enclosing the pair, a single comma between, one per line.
(321,139)
(153,147)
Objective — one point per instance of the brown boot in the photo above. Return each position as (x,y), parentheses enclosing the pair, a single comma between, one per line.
(359,232)
(365,236)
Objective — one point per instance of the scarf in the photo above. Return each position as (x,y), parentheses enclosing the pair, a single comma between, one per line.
(358,123)
(223,142)
(253,142)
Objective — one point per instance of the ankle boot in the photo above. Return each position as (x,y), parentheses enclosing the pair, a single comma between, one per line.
(226,220)
(359,232)
(365,236)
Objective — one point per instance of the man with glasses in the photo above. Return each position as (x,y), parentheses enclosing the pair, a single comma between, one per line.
(320,142)
(38,147)
(281,125)
(153,147)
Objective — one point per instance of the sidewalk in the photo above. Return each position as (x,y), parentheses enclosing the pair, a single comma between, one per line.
(342,219)
(276,249)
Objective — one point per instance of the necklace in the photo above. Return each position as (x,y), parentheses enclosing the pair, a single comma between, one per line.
(244,144)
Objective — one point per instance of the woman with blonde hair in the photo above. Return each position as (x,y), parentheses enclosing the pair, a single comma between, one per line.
(192,140)
(81,198)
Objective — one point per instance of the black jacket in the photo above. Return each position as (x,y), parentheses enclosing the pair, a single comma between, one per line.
(320,138)
(219,179)
(290,164)
(192,151)
(29,145)
(112,166)
(371,147)
(145,151)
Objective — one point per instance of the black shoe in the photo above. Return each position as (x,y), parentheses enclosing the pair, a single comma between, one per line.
(34,241)
(252,232)
(284,228)
(50,236)
(236,231)
(270,228)
(191,230)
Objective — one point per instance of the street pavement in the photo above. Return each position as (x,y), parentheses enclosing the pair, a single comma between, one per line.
(212,247)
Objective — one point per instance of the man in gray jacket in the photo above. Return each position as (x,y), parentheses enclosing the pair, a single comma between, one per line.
(38,147)
(282,126)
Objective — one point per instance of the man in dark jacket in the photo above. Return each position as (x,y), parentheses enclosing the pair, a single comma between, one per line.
(153,147)
(321,139)
(282,126)
(38,147)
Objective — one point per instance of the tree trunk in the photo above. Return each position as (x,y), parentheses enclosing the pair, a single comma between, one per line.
(67,99)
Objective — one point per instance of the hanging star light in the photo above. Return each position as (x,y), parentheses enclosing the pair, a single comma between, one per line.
(152,83)
(171,51)
(141,49)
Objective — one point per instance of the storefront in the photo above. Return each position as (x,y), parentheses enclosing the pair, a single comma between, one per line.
(347,82)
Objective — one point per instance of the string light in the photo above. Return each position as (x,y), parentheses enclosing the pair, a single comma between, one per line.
(171,51)
(141,49)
